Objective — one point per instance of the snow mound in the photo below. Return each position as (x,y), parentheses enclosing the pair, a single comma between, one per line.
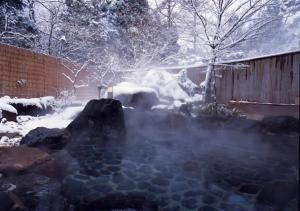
(9,127)
(127,88)
(42,102)
(25,124)
(171,87)
(9,142)
(6,107)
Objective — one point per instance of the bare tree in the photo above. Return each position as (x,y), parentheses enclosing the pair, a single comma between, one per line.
(226,24)
(49,23)
(74,74)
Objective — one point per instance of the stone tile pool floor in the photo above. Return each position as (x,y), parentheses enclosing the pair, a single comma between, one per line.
(204,172)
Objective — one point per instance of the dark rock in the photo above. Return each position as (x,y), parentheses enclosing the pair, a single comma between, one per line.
(209,122)
(115,201)
(160,181)
(192,193)
(179,187)
(176,121)
(103,188)
(31,110)
(162,201)
(74,190)
(118,178)
(176,197)
(156,190)
(9,116)
(207,199)
(144,185)
(278,193)
(59,166)
(189,203)
(113,168)
(207,208)
(190,166)
(45,137)
(100,118)
(139,100)
(126,185)
(280,125)
(18,159)
(241,124)
(6,203)
(249,188)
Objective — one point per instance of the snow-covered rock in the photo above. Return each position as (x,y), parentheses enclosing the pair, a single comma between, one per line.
(130,88)
(9,142)
(6,107)
(174,87)
(42,102)
(132,95)
(166,84)
(25,124)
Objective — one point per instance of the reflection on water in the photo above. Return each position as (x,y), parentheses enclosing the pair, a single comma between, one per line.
(207,170)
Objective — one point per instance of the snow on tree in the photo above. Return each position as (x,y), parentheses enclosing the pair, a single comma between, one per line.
(74,74)
(226,24)
(17,24)
(144,38)
(49,23)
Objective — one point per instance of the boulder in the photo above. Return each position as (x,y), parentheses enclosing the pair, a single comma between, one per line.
(45,137)
(139,100)
(136,96)
(241,124)
(280,125)
(31,110)
(6,203)
(120,201)
(9,116)
(99,119)
(17,159)
(278,193)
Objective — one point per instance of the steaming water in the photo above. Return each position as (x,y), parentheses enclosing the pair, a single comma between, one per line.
(174,168)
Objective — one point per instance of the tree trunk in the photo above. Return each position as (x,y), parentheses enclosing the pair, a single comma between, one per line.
(208,93)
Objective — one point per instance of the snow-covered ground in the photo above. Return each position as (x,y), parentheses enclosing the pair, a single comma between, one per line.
(42,102)
(172,90)
(25,124)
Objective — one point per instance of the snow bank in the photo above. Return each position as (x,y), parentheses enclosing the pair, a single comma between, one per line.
(10,127)
(130,88)
(176,87)
(42,102)
(25,124)
(170,88)
(58,120)
(6,107)
(6,101)
(9,142)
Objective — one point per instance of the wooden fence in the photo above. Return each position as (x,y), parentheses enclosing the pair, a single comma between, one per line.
(272,79)
(24,73)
